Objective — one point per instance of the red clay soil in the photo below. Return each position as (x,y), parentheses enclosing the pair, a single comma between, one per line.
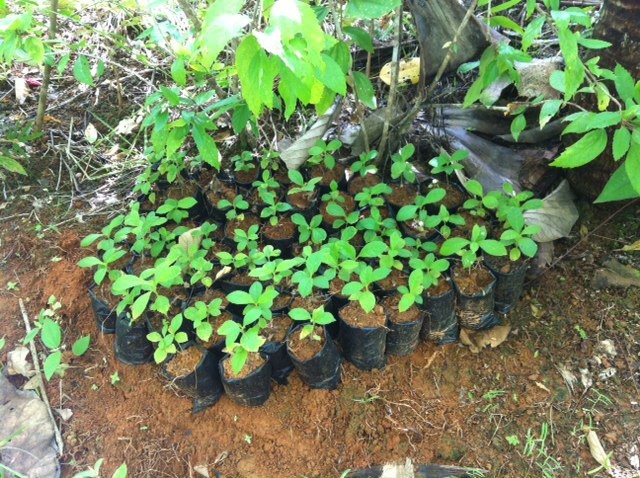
(431,406)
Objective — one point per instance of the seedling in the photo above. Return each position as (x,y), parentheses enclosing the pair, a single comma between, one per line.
(244,162)
(47,325)
(448,163)
(273,207)
(308,278)
(360,290)
(443,221)
(413,293)
(111,255)
(258,302)
(246,240)
(302,186)
(520,242)
(373,196)
(317,318)
(309,232)
(177,210)
(235,209)
(200,313)
(365,163)
(400,165)
(412,211)
(275,271)
(239,350)
(468,249)
(115,378)
(322,153)
(167,338)
(478,203)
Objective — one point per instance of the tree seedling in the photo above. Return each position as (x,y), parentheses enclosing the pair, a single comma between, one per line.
(448,163)
(239,350)
(318,317)
(258,302)
(468,249)
(322,153)
(401,168)
(167,338)
(360,289)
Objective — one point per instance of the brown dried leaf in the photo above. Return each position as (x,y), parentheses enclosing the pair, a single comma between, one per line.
(477,340)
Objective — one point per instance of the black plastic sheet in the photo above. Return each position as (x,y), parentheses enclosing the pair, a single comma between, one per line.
(323,370)
(250,391)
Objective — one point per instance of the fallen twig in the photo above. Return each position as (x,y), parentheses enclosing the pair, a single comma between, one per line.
(43,391)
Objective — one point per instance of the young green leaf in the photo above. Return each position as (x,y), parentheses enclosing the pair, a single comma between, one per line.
(81,345)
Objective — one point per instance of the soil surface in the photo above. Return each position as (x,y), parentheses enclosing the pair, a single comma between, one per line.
(438,405)
(307,348)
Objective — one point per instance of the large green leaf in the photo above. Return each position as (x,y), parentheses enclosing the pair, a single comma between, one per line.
(12,165)
(206,146)
(50,334)
(618,188)
(370,9)
(364,89)
(585,150)
(632,166)
(82,71)
(222,22)
(51,364)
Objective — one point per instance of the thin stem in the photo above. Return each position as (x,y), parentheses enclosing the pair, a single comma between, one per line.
(422,97)
(393,91)
(46,78)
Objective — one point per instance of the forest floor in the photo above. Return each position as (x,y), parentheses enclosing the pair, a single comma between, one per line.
(506,410)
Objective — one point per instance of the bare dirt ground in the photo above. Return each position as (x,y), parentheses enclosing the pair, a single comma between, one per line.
(506,410)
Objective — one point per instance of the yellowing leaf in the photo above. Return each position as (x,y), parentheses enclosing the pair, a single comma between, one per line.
(635,247)
(409,71)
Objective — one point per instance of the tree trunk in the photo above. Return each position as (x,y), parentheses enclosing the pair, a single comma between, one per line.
(619,24)
(436,24)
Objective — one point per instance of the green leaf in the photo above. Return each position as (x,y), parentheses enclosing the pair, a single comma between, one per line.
(206,145)
(625,86)
(51,364)
(474,187)
(351,288)
(528,246)
(121,472)
(367,301)
(585,150)
(238,359)
(502,21)
(140,304)
(178,72)
(532,32)
(81,345)
(11,165)
(50,334)
(162,304)
(373,249)
(632,166)
(364,89)
(82,71)
(370,9)
(332,76)
(407,212)
(453,245)
(621,142)
(593,43)
(618,188)
(89,262)
(518,125)
(35,49)
(360,37)
(493,247)
(239,297)
(222,22)
(548,110)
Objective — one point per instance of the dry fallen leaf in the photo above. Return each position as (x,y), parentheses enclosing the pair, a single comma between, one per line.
(201,470)
(477,340)
(17,363)
(597,451)
(91,134)
(190,240)
(22,90)
(409,71)
(543,387)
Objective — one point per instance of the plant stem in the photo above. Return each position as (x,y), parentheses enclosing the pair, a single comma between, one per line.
(46,78)
(338,25)
(393,91)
